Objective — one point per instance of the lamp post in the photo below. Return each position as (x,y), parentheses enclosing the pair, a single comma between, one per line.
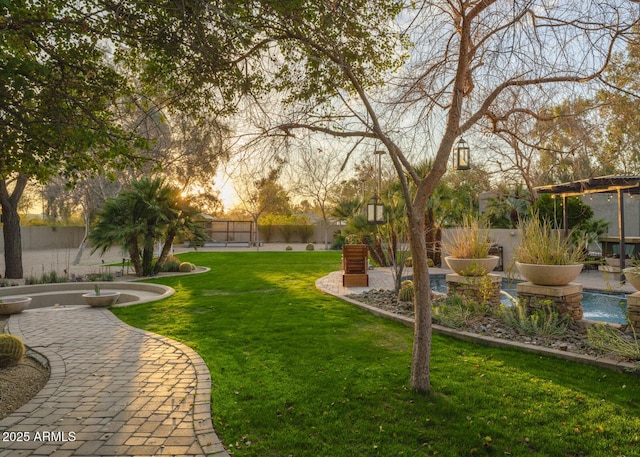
(375,208)
(461,155)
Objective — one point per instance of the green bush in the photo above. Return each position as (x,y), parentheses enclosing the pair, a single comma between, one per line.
(305,231)
(310,247)
(12,350)
(99,277)
(288,248)
(47,278)
(172,264)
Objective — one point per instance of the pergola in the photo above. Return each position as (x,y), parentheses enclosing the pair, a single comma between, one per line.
(602,185)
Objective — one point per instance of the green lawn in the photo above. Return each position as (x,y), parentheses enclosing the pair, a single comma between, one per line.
(299,373)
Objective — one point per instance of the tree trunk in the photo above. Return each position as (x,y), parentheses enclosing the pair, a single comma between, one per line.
(420,364)
(11,227)
(87,228)
(166,250)
(376,251)
(134,254)
(431,235)
(147,255)
(12,243)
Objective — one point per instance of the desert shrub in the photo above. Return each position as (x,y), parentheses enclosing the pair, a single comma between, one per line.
(542,322)
(172,264)
(610,340)
(99,277)
(456,311)
(47,278)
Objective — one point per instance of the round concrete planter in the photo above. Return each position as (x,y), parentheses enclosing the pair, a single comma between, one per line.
(632,278)
(14,305)
(549,275)
(472,267)
(104,299)
(612,261)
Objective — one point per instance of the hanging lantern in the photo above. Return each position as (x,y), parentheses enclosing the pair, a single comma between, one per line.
(461,155)
(375,211)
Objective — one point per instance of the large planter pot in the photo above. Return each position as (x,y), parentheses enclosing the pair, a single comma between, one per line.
(633,279)
(612,261)
(549,275)
(102,300)
(472,267)
(14,305)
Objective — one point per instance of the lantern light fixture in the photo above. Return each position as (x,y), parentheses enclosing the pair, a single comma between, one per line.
(375,210)
(461,158)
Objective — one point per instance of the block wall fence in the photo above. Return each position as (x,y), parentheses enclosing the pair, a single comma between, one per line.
(49,237)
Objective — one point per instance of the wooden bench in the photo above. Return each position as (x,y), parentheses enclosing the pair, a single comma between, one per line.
(355,262)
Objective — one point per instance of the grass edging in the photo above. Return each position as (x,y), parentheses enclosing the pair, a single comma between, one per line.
(602,362)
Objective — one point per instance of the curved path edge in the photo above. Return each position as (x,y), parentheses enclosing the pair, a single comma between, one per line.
(202,421)
(324,284)
(71,373)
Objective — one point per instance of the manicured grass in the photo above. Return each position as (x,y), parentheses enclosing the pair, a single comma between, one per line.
(299,373)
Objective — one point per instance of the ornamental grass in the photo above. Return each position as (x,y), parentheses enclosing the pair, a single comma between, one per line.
(470,241)
(542,245)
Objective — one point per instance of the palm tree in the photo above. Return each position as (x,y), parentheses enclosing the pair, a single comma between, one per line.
(138,217)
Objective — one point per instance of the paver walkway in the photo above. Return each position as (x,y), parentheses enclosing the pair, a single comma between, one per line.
(113,390)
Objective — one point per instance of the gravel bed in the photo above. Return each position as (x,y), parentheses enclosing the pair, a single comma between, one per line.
(574,340)
(20,383)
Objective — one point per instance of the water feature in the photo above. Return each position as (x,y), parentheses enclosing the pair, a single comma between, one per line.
(596,305)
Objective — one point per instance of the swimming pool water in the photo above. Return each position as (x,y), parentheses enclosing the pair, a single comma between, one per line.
(596,305)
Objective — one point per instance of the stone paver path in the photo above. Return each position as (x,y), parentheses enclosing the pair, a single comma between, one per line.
(113,390)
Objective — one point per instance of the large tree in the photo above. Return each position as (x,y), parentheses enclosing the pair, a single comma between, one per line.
(315,175)
(259,191)
(475,64)
(619,103)
(57,87)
